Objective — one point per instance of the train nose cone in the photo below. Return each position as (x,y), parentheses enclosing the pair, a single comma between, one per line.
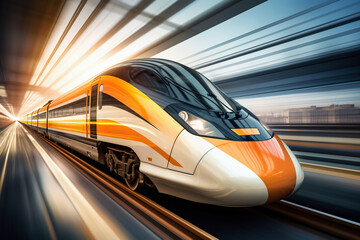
(224,181)
(270,161)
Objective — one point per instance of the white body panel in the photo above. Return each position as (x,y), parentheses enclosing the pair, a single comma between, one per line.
(218,179)
(83,148)
(188,150)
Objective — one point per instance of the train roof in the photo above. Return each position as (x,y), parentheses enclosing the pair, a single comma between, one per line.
(149,61)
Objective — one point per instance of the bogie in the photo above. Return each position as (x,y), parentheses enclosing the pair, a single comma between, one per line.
(125,163)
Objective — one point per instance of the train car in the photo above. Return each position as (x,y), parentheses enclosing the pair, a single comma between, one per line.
(155,121)
(42,120)
(34,121)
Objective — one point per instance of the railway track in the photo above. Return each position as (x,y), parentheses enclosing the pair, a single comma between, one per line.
(327,223)
(168,225)
(164,223)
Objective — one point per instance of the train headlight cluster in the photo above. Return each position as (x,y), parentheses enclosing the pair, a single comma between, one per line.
(184,116)
(200,126)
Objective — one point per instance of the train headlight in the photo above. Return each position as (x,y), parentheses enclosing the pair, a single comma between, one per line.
(200,126)
(184,116)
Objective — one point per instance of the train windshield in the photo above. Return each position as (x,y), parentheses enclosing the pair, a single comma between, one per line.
(185,84)
(176,81)
(191,86)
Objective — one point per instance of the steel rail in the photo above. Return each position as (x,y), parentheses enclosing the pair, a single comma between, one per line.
(161,221)
(324,222)
(329,170)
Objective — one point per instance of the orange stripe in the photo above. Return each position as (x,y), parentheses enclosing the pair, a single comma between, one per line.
(71,95)
(41,124)
(142,105)
(246,131)
(114,129)
(43,109)
(109,128)
(267,159)
(68,125)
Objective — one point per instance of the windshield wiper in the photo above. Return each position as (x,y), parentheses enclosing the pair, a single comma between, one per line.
(237,115)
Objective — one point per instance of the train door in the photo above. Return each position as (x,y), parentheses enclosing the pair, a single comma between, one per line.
(47,120)
(93,110)
(87,113)
(37,120)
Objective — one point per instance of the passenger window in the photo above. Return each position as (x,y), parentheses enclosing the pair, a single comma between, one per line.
(100,96)
(148,79)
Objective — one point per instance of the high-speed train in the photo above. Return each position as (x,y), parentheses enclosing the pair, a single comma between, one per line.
(158,122)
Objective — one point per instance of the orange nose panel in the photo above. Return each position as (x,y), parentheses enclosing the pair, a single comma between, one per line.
(269,160)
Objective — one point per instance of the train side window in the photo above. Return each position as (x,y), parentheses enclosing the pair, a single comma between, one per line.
(148,79)
(100,96)
(79,106)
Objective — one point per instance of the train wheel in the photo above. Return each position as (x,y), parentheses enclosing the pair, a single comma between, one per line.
(136,180)
(109,162)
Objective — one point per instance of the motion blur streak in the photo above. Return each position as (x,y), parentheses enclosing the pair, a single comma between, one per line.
(47,198)
(11,130)
(332,171)
(321,139)
(94,222)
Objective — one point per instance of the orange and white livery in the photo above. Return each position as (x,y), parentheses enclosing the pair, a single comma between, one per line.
(159,123)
